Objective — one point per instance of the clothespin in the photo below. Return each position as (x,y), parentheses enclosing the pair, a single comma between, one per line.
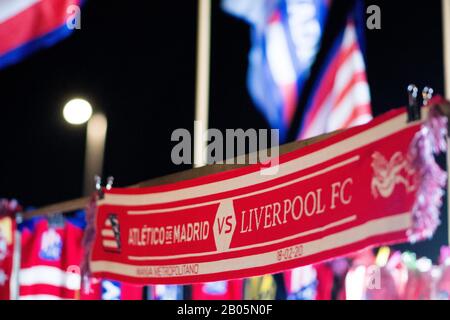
(98,185)
(427,94)
(413,106)
(109,182)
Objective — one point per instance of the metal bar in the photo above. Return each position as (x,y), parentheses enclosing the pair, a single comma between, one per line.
(202,81)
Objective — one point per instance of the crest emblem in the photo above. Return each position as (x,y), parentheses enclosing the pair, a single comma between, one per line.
(111,234)
(51,245)
(388,174)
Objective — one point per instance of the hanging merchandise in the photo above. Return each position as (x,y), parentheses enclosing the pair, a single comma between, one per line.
(115,290)
(356,279)
(369,185)
(50,267)
(442,291)
(91,289)
(7,237)
(389,278)
(267,287)
(420,280)
(301,283)
(325,281)
(386,278)
(397,276)
(219,290)
(104,288)
(383,277)
(340,268)
(165,292)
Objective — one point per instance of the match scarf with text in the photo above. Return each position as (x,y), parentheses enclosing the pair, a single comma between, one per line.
(370,185)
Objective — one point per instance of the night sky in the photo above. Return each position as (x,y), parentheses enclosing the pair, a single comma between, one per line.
(136,63)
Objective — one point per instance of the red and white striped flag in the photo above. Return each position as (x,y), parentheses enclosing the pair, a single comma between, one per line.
(29,25)
(341,96)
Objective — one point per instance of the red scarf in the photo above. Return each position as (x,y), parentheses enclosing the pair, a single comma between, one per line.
(360,188)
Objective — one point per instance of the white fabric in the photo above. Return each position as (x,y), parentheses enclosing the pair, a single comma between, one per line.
(10,8)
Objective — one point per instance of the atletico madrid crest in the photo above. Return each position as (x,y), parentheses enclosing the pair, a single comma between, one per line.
(111,234)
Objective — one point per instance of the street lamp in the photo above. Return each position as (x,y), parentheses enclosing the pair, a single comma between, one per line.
(78,112)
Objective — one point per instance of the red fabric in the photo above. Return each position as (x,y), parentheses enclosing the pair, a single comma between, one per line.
(36,21)
(355,189)
(328,80)
(115,290)
(325,278)
(419,286)
(91,289)
(50,263)
(301,283)
(326,111)
(60,292)
(443,284)
(131,292)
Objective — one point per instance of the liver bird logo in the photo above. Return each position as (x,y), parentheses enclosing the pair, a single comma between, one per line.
(388,174)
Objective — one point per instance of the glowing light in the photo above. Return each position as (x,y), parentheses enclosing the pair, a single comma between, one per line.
(77,111)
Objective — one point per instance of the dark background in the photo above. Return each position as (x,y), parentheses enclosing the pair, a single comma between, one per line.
(136,63)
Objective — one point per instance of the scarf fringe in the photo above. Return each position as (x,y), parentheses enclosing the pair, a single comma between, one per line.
(431,179)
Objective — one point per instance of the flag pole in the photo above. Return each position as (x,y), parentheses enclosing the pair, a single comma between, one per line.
(202,81)
(446,44)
